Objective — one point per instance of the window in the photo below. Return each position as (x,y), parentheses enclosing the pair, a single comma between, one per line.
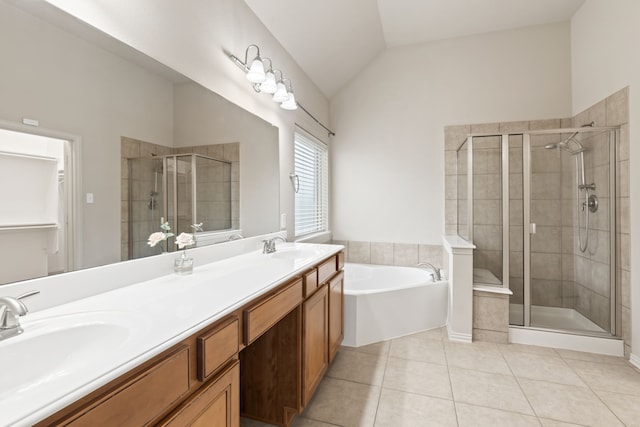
(311,184)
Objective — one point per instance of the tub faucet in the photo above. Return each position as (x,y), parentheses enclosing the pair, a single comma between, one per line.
(10,311)
(270,244)
(437,273)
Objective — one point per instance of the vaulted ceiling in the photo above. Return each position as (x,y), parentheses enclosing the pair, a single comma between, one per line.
(333,40)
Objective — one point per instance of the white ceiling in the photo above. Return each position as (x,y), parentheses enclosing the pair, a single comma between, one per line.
(333,40)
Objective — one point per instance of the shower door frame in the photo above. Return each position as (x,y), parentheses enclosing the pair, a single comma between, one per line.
(613,138)
(529,227)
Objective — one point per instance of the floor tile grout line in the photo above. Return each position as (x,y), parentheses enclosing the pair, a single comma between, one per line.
(517,380)
(591,389)
(453,396)
(384,374)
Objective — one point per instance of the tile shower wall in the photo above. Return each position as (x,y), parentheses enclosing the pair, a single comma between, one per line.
(569,291)
(591,269)
(143,181)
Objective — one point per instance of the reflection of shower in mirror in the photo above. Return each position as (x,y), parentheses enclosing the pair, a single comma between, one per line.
(153,195)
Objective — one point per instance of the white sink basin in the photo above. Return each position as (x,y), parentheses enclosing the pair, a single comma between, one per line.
(52,348)
(295,253)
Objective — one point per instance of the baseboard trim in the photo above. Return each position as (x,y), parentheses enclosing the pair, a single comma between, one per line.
(459,337)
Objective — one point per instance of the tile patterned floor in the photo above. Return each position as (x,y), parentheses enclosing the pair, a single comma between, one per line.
(426,380)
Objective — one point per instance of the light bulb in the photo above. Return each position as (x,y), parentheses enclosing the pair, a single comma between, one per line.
(256,71)
(290,103)
(281,94)
(269,84)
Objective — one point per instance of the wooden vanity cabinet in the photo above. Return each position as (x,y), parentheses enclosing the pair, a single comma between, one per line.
(336,314)
(214,405)
(315,341)
(198,376)
(264,360)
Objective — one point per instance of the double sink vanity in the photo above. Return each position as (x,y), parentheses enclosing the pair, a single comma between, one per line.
(251,335)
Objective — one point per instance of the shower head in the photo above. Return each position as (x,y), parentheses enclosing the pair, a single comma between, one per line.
(571,144)
(558,145)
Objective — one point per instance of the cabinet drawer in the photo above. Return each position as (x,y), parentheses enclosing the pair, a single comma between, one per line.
(260,317)
(327,269)
(216,347)
(310,282)
(144,397)
(215,405)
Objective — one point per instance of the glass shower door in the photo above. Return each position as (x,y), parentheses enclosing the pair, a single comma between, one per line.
(569,240)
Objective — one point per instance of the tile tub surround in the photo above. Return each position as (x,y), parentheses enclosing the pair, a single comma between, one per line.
(401,254)
(426,380)
(566,291)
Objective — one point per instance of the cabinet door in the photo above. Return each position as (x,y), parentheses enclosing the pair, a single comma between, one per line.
(315,341)
(336,314)
(215,405)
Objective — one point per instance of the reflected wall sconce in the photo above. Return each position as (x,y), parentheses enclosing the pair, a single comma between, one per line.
(264,79)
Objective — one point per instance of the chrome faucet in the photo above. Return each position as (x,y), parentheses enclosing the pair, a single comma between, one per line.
(270,244)
(437,273)
(10,311)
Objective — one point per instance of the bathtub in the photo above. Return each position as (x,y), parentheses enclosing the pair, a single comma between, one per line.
(383,302)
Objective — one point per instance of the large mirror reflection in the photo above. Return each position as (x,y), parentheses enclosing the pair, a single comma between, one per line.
(140,143)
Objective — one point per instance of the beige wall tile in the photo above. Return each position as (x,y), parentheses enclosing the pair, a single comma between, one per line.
(486,128)
(623,149)
(431,253)
(405,254)
(382,253)
(482,335)
(450,162)
(359,252)
(544,124)
(454,136)
(490,312)
(509,127)
(617,108)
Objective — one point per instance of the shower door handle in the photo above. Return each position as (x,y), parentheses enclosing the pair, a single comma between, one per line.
(532,228)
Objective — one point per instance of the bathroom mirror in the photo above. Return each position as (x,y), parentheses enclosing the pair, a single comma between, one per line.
(66,77)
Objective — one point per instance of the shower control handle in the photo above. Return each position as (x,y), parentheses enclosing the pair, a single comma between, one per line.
(592,203)
(532,228)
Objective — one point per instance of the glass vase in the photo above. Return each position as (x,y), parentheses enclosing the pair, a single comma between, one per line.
(183,265)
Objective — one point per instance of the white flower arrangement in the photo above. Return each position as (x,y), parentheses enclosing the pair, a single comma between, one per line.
(182,240)
(186,239)
(160,236)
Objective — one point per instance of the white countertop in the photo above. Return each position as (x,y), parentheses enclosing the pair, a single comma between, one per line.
(130,326)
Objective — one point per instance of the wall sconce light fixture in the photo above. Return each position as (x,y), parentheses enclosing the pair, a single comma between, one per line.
(265,80)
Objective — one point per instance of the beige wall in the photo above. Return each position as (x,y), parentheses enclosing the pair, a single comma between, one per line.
(387,156)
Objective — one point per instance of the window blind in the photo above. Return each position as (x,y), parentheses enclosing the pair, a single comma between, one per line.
(312,196)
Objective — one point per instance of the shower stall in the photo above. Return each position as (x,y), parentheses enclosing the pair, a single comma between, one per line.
(181,189)
(540,208)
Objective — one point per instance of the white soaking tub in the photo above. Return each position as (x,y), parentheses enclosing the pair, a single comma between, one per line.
(383,302)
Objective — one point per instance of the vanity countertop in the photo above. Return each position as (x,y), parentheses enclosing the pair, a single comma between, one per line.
(118,330)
